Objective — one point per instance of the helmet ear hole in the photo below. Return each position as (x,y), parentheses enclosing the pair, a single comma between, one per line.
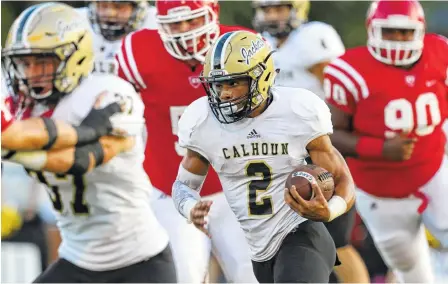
(81,60)
(267,77)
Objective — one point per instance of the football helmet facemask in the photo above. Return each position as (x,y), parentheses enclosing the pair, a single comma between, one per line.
(401,15)
(106,18)
(193,43)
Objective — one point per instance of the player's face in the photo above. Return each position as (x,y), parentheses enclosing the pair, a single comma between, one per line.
(232,90)
(115,12)
(276,14)
(38,71)
(185,27)
(398,34)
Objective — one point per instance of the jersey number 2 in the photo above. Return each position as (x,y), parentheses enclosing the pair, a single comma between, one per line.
(263,207)
(399,115)
(78,203)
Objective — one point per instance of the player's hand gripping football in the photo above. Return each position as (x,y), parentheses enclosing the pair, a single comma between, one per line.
(198,216)
(315,209)
(399,148)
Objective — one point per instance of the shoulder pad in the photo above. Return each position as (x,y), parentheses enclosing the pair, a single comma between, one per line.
(192,118)
(317,42)
(307,104)
(314,114)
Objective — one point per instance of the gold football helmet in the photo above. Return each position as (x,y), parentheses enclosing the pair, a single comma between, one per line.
(238,55)
(280,28)
(49,50)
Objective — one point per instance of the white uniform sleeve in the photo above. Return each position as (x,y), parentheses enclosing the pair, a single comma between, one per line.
(319,42)
(130,122)
(189,124)
(313,114)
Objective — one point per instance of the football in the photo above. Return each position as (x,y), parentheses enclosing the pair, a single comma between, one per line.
(302,177)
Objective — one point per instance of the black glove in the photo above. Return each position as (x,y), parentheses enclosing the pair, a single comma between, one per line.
(99,119)
(96,124)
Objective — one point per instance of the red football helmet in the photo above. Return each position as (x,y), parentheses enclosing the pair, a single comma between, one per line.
(385,14)
(194,43)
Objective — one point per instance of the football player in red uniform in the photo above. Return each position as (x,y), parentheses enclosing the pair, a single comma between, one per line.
(164,65)
(389,100)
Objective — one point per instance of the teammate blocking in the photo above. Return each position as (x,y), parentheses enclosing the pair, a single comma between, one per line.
(109,232)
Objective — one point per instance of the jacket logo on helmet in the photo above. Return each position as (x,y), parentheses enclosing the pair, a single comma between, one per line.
(248,53)
(63,27)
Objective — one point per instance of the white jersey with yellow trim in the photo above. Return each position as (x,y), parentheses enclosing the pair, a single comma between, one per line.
(253,158)
(104,216)
(309,44)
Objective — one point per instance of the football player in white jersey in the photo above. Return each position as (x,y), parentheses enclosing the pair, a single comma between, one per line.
(303,50)
(254,135)
(109,232)
(110,22)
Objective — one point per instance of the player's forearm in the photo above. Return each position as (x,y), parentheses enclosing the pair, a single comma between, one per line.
(352,145)
(345,141)
(186,190)
(328,157)
(336,165)
(72,160)
(30,134)
(184,198)
(82,159)
(344,184)
(43,133)
(112,146)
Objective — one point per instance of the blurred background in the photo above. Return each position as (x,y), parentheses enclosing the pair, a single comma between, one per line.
(346,16)
(29,250)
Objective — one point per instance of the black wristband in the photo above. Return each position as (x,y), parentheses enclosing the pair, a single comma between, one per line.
(82,158)
(85,135)
(52,132)
(97,150)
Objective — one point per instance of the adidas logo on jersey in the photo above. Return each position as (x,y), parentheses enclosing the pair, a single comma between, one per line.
(253,134)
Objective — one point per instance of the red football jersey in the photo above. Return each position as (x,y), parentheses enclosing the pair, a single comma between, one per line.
(385,100)
(167,87)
